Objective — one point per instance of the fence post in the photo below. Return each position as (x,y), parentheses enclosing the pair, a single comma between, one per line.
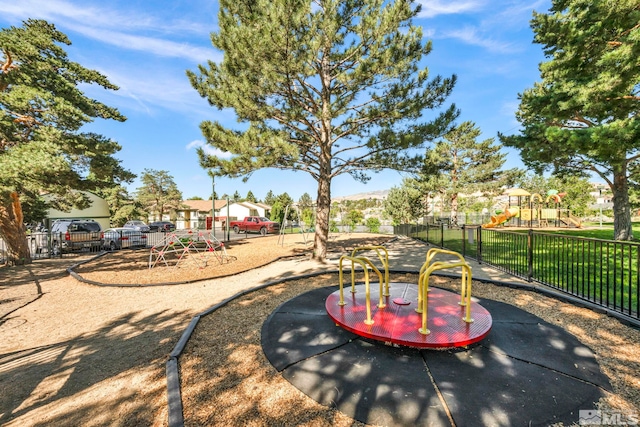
(442,234)
(464,246)
(530,255)
(479,246)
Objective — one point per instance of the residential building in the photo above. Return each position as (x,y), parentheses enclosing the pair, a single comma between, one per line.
(197,213)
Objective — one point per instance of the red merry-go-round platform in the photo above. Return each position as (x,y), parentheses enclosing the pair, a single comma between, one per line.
(398,322)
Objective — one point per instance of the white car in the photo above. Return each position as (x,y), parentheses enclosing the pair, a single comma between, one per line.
(121,238)
(137,225)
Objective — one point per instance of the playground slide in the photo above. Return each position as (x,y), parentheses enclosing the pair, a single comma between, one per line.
(498,219)
(572,221)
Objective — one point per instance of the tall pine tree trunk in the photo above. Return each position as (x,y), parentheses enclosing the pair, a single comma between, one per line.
(13,231)
(453,217)
(323,209)
(621,209)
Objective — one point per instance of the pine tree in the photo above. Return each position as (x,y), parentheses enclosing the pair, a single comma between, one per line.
(42,111)
(270,198)
(250,197)
(325,87)
(461,164)
(582,117)
(159,193)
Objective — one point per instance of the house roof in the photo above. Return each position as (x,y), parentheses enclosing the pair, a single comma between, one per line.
(203,205)
(249,204)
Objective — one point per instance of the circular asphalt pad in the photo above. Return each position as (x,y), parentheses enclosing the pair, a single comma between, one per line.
(526,372)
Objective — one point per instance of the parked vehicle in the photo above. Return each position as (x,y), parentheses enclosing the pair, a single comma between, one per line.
(163,226)
(137,225)
(121,238)
(75,234)
(255,224)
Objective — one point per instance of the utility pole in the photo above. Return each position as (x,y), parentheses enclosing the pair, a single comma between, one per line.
(213,204)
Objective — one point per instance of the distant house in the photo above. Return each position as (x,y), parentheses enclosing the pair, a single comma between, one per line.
(242,209)
(194,213)
(197,213)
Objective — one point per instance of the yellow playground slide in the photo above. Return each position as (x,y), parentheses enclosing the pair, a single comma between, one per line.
(499,219)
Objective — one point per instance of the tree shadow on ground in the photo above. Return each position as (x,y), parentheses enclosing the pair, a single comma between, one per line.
(35,381)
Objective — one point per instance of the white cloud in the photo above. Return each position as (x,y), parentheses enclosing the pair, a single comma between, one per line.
(431,8)
(60,12)
(122,28)
(208,149)
(514,15)
(149,89)
(151,45)
(472,36)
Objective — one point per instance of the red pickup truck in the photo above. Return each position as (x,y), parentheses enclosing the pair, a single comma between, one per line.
(255,224)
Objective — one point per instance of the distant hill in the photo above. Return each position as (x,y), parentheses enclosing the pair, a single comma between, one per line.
(379,194)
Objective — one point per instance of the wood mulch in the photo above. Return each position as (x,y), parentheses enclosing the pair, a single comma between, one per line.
(100,352)
(132,267)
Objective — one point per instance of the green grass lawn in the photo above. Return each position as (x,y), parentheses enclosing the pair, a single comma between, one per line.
(593,231)
(599,270)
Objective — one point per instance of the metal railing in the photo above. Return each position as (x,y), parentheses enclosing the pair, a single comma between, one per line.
(603,272)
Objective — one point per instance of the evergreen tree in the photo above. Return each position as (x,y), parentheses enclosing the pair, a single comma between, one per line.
(461,164)
(237,197)
(250,197)
(326,87)
(582,117)
(286,201)
(42,149)
(305,201)
(270,198)
(159,194)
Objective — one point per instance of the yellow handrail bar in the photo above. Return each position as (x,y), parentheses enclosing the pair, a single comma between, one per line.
(383,260)
(363,262)
(423,283)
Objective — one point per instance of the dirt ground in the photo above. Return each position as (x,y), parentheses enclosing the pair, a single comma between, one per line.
(77,354)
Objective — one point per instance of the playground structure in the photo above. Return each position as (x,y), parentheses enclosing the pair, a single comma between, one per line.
(457,321)
(187,246)
(534,211)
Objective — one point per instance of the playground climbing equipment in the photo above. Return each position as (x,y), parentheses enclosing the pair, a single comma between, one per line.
(531,212)
(188,246)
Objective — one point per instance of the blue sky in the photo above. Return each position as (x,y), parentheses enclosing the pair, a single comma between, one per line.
(145,47)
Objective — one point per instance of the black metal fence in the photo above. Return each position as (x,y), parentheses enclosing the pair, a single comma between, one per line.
(602,272)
